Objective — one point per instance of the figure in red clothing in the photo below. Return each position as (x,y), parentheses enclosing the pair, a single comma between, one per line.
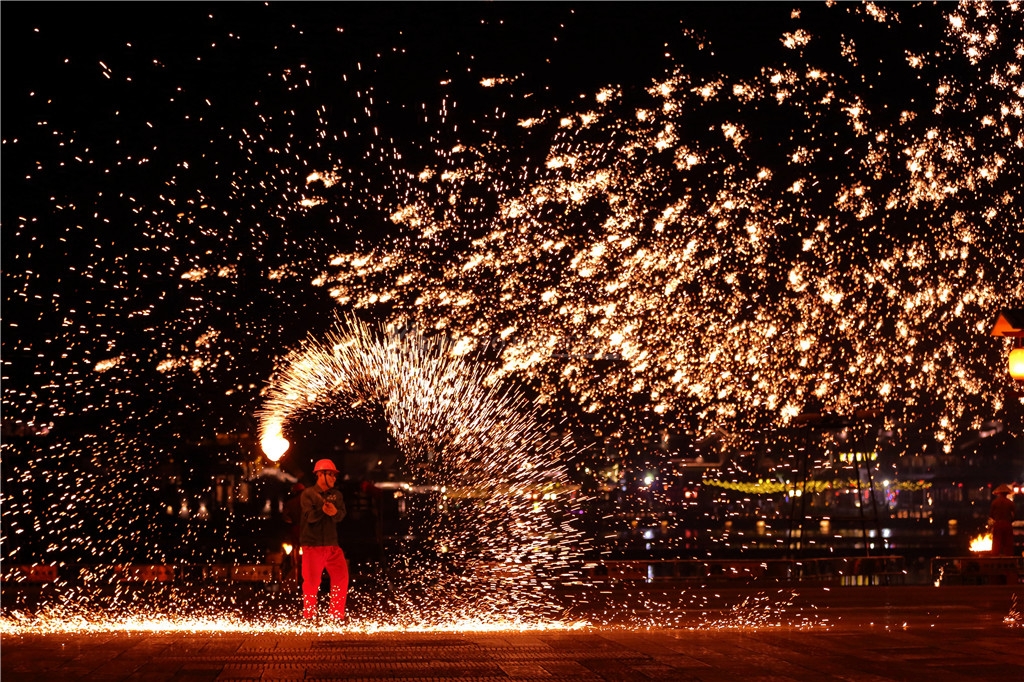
(322,508)
(1002,513)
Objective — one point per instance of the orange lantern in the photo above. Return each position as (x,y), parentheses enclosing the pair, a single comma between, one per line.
(1010,322)
(1017,361)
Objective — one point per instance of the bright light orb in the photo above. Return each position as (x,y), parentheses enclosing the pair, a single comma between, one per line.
(274,446)
(1017,364)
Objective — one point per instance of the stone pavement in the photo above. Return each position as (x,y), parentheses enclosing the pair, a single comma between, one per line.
(851,633)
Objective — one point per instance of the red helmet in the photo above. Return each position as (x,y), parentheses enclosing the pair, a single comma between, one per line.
(324,465)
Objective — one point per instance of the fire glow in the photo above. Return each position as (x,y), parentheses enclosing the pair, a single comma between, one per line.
(981,543)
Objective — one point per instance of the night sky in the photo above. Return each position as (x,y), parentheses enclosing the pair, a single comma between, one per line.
(679,216)
(117,136)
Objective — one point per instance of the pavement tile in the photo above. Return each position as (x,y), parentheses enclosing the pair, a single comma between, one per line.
(400,670)
(522,671)
(717,675)
(1005,657)
(23,664)
(692,649)
(260,642)
(223,644)
(577,641)
(641,643)
(21,676)
(659,671)
(991,671)
(860,677)
(528,642)
(705,657)
(191,669)
(284,672)
(99,653)
(835,664)
(610,669)
(162,665)
(291,642)
(241,672)
(75,671)
(893,670)
(196,676)
(120,667)
(766,662)
(186,646)
(681,662)
(490,642)
(563,670)
(151,676)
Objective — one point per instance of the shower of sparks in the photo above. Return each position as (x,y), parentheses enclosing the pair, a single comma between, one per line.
(495,467)
(731,273)
(710,250)
(1014,619)
(766,611)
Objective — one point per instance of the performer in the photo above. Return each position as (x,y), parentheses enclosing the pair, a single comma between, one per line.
(322,508)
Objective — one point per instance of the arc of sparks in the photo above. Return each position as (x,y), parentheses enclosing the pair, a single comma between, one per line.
(458,432)
(436,403)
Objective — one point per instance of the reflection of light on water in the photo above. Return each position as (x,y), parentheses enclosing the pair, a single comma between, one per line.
(982,543)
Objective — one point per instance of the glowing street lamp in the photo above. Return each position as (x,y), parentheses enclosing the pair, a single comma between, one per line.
(1010,322)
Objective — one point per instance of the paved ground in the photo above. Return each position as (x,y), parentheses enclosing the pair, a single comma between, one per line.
(851,633)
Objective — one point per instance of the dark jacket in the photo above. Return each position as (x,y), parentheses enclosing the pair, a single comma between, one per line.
(318,529)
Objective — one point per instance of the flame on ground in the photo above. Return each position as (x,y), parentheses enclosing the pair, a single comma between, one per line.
(982,543)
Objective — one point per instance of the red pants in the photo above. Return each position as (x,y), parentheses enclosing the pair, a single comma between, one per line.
(314,561)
